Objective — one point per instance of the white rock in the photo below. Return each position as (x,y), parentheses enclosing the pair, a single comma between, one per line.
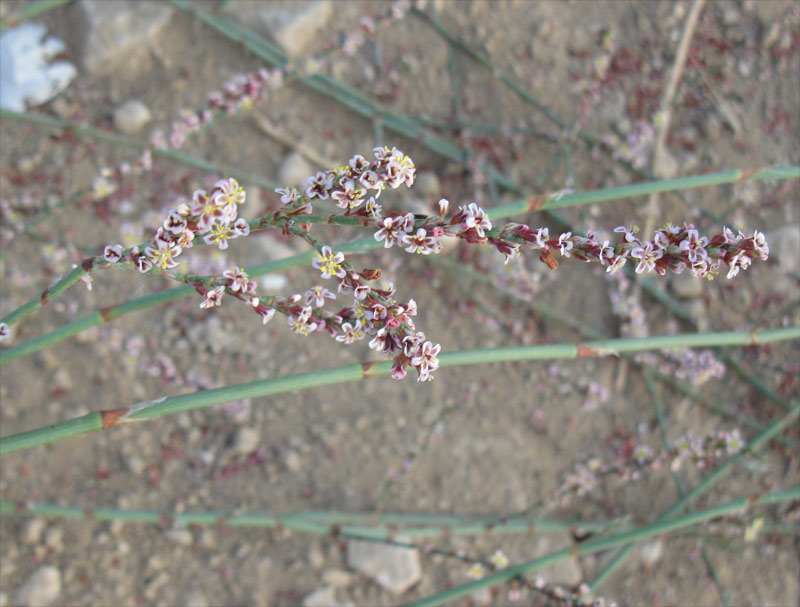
(247,440)
(3,598)
(42,588)
(25,74)
(295,170)
(395,568)
(292,24)
(784,247)
(107,33)
(131,117)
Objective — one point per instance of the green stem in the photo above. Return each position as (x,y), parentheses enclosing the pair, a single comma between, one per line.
(29,11)
(364,525)
(46,296)
(357,372)
(592,546)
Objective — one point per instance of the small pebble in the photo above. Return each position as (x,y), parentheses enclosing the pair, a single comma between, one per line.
(651,552)
(32,531)
(292,461)
(246,441)
(131,117)
(180,536)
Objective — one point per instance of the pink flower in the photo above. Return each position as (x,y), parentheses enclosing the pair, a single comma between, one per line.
(213,297)
(317,295)
(329,264)
(565,244)
(420,243)
(112,253)
(239,280)
(288,196)
(163,254)
(739,261)
(647,256)
(426,360)
(476,218)
(350,333)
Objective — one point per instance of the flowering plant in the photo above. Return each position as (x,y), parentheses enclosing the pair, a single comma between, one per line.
(389,311)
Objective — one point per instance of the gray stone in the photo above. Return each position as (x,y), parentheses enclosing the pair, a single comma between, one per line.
(784,248)
(293,24)
(395,568)
(106,33)
(42,588)
(295,170)
(131,117)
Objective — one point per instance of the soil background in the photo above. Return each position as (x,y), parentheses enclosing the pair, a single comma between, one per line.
(491,439)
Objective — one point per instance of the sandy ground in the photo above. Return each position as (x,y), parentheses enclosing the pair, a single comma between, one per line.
(495,439)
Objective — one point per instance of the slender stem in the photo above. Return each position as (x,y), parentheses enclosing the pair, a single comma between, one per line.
(369,525)
(357,372)
(46,296)
(592,546)
(29,11)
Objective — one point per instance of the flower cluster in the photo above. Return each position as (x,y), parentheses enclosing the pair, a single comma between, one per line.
(632,458)
(681,363)
(358,183)
(214,216)
(374,313)
(673,248)
(704,449)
